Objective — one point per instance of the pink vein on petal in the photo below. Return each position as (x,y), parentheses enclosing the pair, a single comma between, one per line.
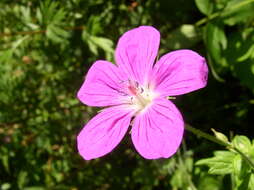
(136,51)
(158,134)
(179,72)
(103,132)
(102,86)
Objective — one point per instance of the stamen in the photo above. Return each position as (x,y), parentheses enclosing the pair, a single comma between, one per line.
(141,90)
(139,96)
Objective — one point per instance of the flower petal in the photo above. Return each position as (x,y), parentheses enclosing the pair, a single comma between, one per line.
(102,86)
(179,72)
(158,132)
(136,51)
(103,132)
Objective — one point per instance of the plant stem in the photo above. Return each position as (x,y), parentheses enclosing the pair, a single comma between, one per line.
(215,15)
(245,157)
(38,31)
(218,141)
(205,135)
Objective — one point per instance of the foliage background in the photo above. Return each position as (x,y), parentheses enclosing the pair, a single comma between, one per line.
(48,46)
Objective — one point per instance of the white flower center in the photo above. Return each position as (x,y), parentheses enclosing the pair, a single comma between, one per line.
(140,96)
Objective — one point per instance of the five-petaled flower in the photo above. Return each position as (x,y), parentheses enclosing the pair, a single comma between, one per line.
(134,92)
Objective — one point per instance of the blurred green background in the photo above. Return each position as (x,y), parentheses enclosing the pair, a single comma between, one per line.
(48,46)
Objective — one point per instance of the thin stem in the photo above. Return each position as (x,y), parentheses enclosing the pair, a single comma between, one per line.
(217,141)
(206,19)
(37,31)
(250,162)
(215,15)
(205,135)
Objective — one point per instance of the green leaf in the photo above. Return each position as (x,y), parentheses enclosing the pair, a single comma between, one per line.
(5,186)
(209,183)
(251,183)
(245,71)
(242,143)
(221,163)
(34,188)
(93,25)
(22,179)
(103,43)
(240,56)
(216,40)
(5,162)
(238,11)
(177,179)
(56,33)
(248,54)
(52,18)
(6,55)
(205,6)
(245,183)
(95,42)
(241,173)
(220,169)
(237,165)
(50,13)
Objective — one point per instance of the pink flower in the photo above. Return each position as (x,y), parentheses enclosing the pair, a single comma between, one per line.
(135,93)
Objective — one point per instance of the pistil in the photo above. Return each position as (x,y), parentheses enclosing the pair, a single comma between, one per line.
(142,101)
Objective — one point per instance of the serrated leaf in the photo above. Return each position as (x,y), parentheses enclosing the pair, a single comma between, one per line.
(60,32)
(93,48)
(104,43)
(58,16)
(91,45)
(56,33)
(220,169)
(95,42)
(93,25)
(18,42)
(226,155)
(221,163)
